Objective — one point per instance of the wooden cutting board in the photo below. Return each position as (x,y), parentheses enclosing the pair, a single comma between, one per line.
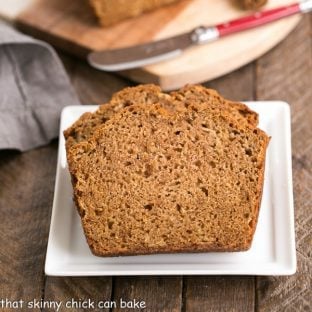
(71,26)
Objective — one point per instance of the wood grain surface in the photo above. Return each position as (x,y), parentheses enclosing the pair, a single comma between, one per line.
(71,26)
(26,191)
(168,290)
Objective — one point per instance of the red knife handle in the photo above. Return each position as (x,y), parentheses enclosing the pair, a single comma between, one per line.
(257,19)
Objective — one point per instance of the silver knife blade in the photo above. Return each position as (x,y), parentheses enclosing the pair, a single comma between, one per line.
(140,55)
(150,53)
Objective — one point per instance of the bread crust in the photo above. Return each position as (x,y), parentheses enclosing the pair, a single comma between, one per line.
(260,186)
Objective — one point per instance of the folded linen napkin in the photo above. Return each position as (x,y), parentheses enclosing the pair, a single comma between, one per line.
(33,90)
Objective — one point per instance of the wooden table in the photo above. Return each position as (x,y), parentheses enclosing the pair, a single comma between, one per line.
(27,185)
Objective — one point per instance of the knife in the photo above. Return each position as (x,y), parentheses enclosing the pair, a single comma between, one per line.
(157,51)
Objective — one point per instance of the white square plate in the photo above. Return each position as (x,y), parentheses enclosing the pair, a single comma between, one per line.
(273,250)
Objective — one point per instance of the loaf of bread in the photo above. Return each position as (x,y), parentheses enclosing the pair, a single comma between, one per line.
(252,4)
(167,173)
(110,12)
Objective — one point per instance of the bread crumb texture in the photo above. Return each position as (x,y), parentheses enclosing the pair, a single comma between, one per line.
(159,173)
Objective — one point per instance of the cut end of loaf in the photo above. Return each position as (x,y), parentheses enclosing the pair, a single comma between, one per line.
(111,12)
(252,4)
(158,180)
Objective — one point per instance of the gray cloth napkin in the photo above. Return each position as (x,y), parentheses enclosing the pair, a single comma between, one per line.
(33,90)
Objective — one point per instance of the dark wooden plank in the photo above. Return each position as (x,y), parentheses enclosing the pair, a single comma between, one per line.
(217,294)
(162,294)
(220,293)
(237,86)
(26,191)
(79,293)
(286,74)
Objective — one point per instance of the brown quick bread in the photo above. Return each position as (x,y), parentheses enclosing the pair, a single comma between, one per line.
(252,4)
(153,180)
(112,11)
(85,126)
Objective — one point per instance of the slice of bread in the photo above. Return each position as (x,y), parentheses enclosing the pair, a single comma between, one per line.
(85,126)
(155,180)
